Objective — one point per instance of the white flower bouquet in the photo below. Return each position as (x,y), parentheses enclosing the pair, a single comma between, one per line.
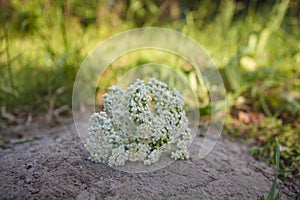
(139,124)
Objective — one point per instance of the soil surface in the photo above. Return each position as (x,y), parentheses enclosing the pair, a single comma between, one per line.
(55,166)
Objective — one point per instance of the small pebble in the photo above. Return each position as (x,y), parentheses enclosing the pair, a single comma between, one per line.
(34,190)
(28,165)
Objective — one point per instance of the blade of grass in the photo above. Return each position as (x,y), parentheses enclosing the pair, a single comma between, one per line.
(265,107)
(273,187)
(278,14)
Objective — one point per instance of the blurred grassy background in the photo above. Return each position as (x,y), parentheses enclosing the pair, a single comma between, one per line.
(255,44)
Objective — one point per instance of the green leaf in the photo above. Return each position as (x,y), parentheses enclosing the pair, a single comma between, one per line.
(261,198)
(273,187)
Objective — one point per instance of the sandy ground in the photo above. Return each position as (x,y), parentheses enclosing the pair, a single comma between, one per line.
(55,166)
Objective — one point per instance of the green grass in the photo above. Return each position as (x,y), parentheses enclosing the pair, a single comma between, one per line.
(264,134)
(255,46)
(272,195)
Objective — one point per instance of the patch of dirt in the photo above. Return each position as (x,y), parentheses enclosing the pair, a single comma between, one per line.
(55,166)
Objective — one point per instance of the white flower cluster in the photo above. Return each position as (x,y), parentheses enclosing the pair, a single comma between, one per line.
(138,124)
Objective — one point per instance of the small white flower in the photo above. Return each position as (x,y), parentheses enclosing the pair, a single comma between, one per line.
(138,124)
